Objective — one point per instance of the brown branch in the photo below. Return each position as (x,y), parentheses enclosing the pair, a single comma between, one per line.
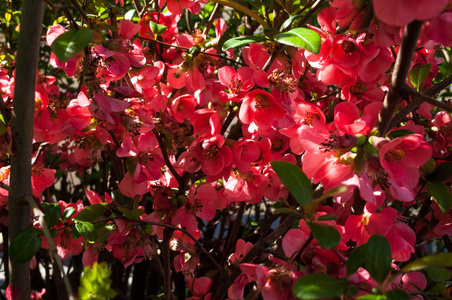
(22,132)
(399,76)
(317,5)
(424,98)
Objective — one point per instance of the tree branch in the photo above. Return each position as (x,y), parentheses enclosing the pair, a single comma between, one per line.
(399,76)
(22,132)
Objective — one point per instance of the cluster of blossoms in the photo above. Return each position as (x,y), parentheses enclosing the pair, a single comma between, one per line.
(189,137)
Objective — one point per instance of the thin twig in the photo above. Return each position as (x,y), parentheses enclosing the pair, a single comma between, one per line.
(427,99)
(317,5)
(211,18)
(165,157)
(81,11)
(4,186)
(138,7)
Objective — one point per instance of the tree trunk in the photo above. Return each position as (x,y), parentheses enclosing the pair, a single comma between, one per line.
(22,132)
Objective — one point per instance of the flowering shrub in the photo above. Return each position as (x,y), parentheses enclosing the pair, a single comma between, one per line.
(220,149)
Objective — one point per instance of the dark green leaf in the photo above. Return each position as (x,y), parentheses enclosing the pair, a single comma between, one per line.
(52,213)
(441,260)
(68,212)
(294,180)
(356,259)
(70,42)
(301,38)
(327,236)
(131,214)
(438,274)
(318,286)
(397,295)
(241,41)
(418,75)
(289,22)
(351,290)
(378,257)
(327,217)
(157,29)
(441,194)
(270,32)
(92,213)
(442,172)
(25,245)
(398,133)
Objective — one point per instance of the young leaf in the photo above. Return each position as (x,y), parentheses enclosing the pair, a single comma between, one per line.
(92,213)
(70,42)
(377,259)
(131,214)
(443,259)
(441,193)
(301,38)
(418,75)
(294,180)
(242,40)
(356,259)
(327,236)
(86,229)
(157,29)
(318,286)
(25,245)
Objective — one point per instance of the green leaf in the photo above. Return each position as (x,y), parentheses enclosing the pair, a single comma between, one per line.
(86,229)
(92,213)
(52,213)
(25,245)
(377,259)
(327,236)
(289,211)
(418,75)
(3,128)
(242,40)
(438,274)
(68,212)
(442,172)
(131,214)
(156,28)
(289,22)
(327,217)
(294,180)
(441,194)
(398,133)
(318,286)
(96,283)
(441,260)
(372,297)
(397,295)
(70,42)
(356,259)
(301,38)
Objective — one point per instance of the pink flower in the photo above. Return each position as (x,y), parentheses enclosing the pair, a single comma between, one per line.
(183,107)
(261,108)
(401,12)
(402,157)
(213,155)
